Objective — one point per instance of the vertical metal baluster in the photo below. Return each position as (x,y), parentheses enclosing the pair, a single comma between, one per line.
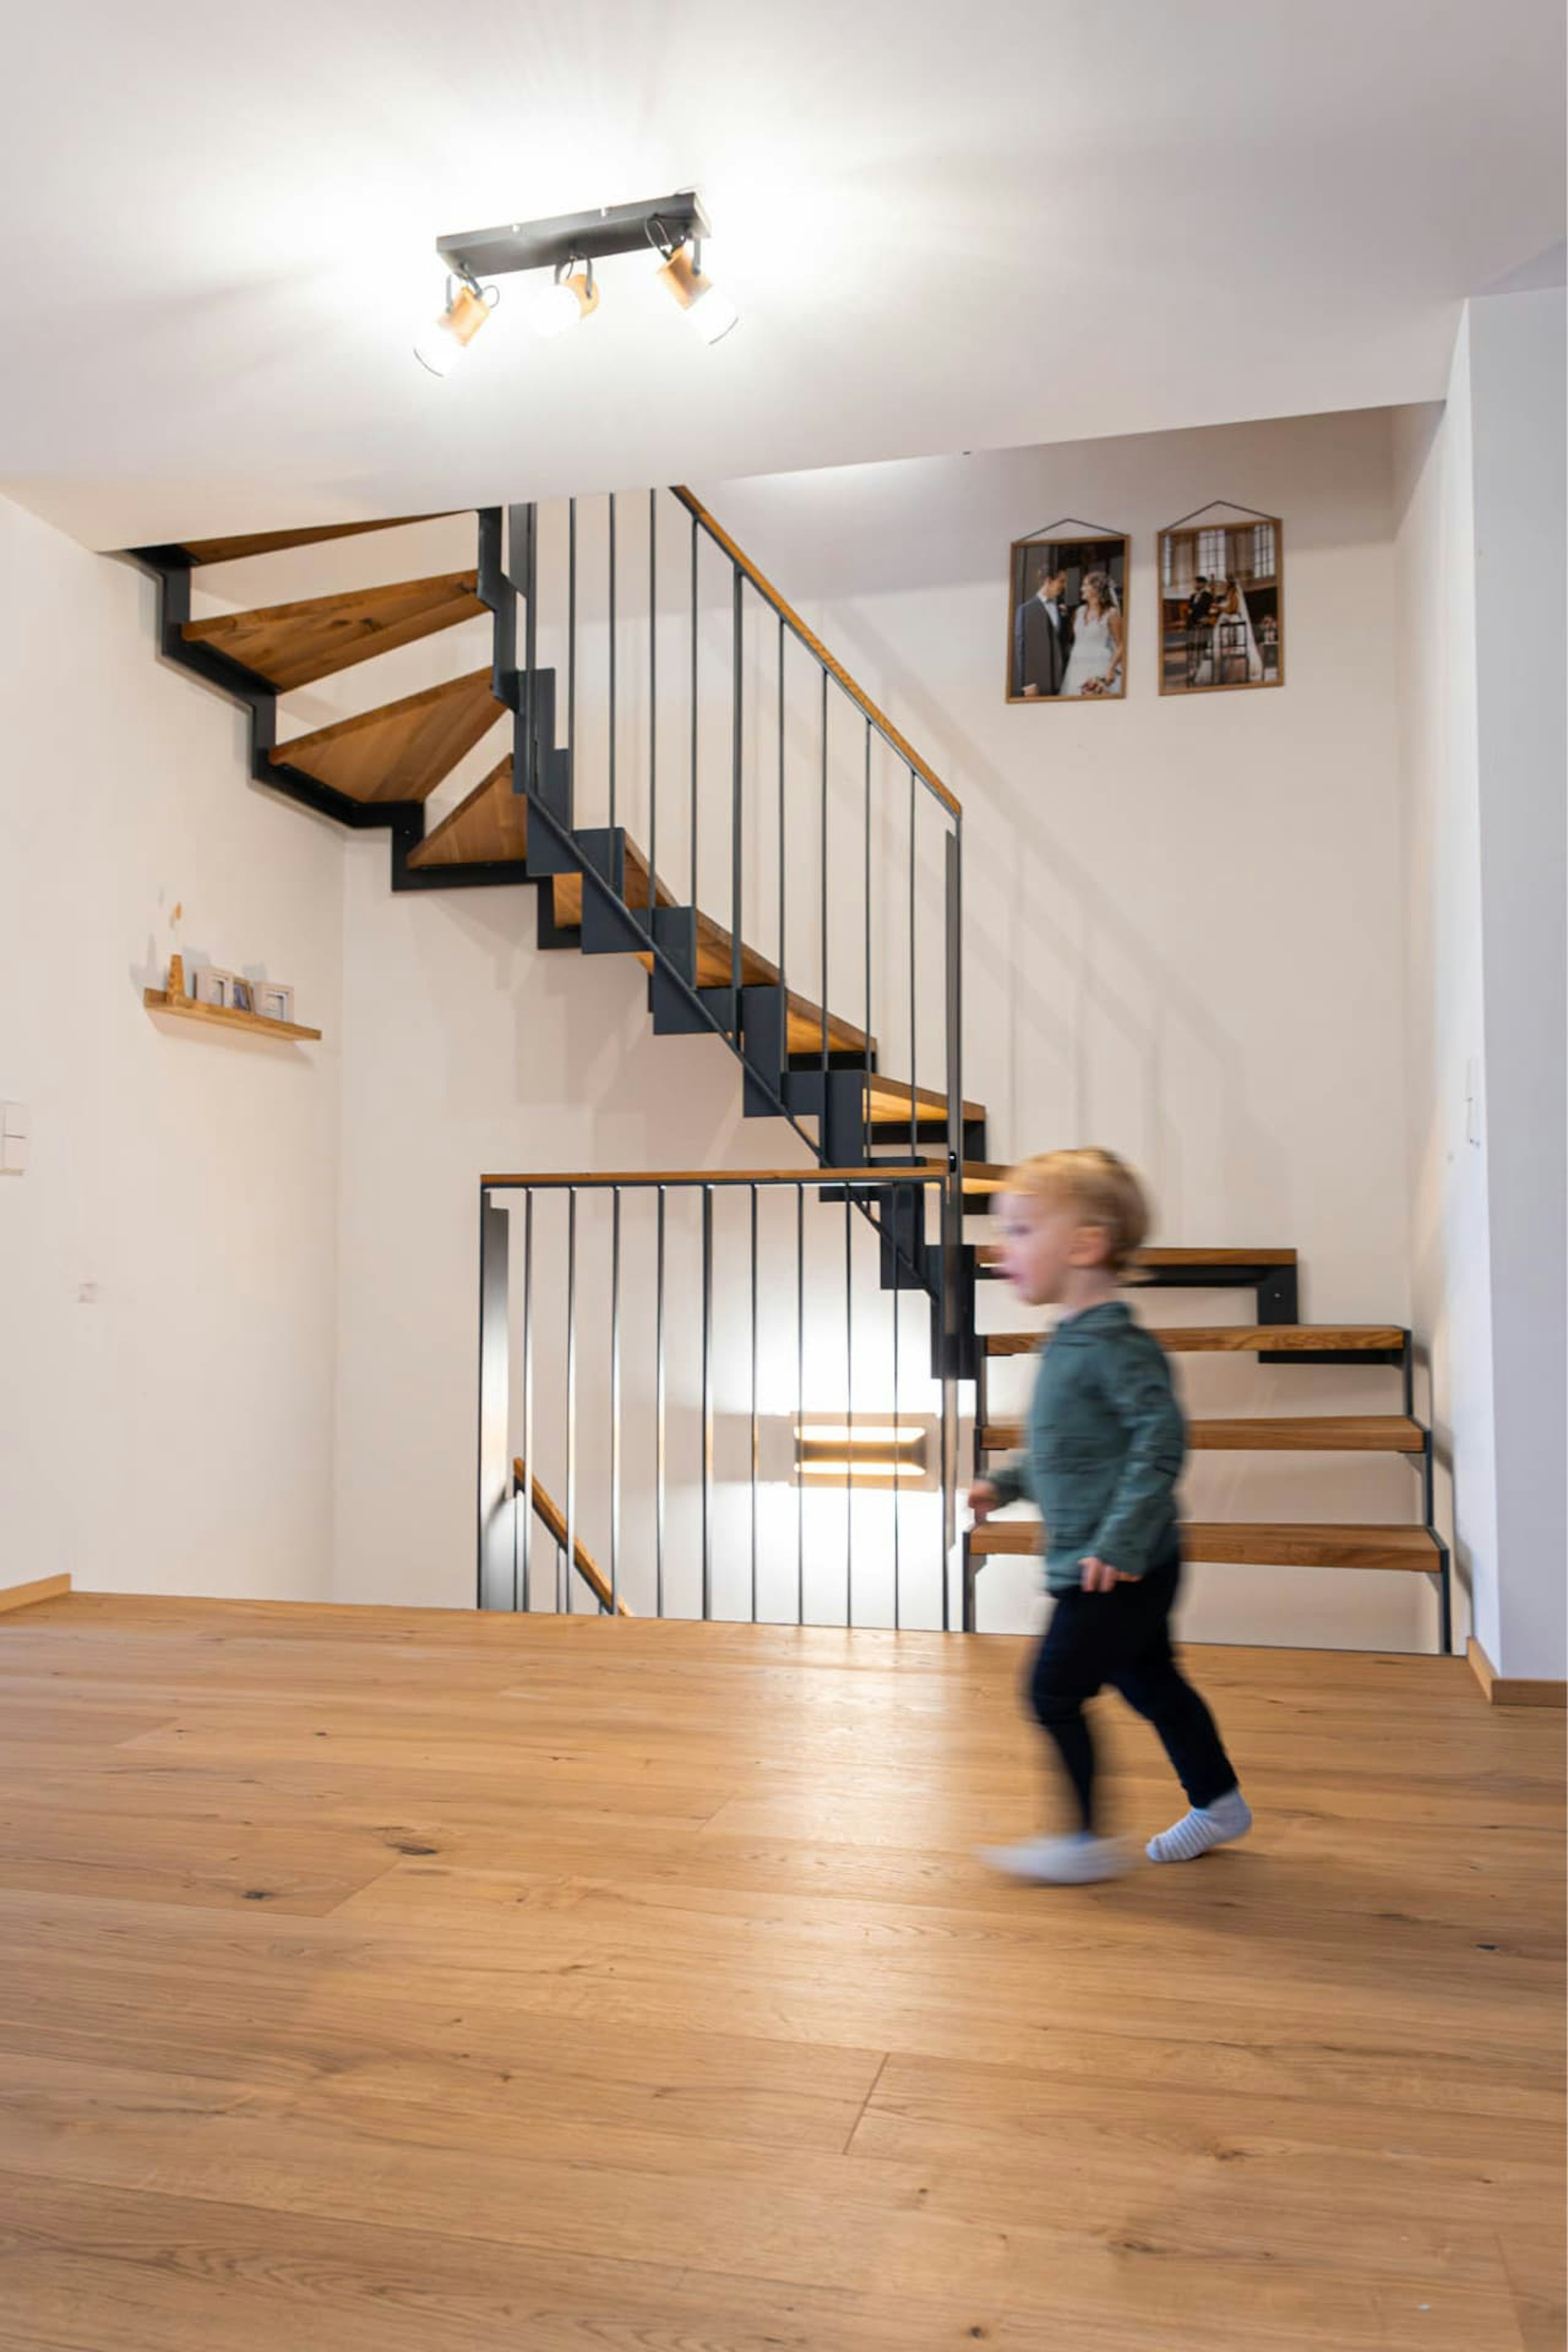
(823,910)
(865,1098)
(659,1403)
(694,711)
(737,756)
(850,1404)
(946,1519)
(755,1424)
(652,706)
(784,862)
(570,1397)
(572,646)
(914,1111)
(530,587)
(531,747)
(612,531)
(800,1402)
(897,1489)
(615,1396)
(527,1398)
(707,1401)
(953,1192)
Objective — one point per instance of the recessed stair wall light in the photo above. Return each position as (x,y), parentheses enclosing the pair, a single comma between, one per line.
(860,1453)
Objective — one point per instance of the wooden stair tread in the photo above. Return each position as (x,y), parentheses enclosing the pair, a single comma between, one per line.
(293,644)
(976,1172)
(1242,1338)
(1159,1261)
(1164,1257)
(272,542)
(887,1105)
(401,751)
(1348,1433)
(1258,1545)
(490,826)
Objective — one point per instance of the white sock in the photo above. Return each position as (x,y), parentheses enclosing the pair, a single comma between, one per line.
(1076,1861)
(1199,1831)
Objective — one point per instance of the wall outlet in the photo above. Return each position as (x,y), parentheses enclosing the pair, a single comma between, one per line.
(1473,1101)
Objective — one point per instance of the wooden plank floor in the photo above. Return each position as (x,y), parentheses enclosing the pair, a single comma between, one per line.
(399,1981)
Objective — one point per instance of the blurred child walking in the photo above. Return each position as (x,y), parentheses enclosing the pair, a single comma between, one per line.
(1104,1449)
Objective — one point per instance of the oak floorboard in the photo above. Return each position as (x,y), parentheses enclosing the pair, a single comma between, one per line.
(435,1983)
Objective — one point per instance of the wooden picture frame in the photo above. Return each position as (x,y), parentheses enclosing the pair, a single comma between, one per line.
(1042,633)
(1237,644)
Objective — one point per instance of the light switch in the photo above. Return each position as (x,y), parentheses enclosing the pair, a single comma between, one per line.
(16,1120)
(14,1155)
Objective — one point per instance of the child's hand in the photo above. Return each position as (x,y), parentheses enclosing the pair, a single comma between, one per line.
(983,1499)
(1098,1576)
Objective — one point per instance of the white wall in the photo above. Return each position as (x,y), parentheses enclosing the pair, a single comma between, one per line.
(1479,494)
(1449,1253)
(1519,399)
(167,1264)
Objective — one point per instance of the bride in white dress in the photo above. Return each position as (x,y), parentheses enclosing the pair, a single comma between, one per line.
(1094,666)
(1238,638)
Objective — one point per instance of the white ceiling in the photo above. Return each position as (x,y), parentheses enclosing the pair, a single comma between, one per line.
(947,228)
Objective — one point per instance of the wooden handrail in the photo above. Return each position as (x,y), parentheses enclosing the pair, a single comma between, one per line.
(583,1559)
(808,638)
(925,1171)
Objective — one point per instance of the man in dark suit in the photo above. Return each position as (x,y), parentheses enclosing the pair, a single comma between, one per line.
(1042,639)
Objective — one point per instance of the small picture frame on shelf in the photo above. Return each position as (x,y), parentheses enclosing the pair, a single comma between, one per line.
(223,990)
(210,986)
(273,1000)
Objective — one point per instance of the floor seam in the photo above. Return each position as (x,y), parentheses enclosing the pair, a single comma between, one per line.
(887,2057)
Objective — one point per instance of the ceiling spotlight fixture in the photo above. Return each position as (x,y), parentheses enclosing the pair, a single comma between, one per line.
(706,306)
(445,339)
(568,247)
(566,299)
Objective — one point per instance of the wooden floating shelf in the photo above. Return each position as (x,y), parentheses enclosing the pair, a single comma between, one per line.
(185,1008)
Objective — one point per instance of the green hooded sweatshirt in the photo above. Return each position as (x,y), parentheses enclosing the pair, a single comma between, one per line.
(1104,1447)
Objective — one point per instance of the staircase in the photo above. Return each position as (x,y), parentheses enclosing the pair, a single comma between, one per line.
(746,930)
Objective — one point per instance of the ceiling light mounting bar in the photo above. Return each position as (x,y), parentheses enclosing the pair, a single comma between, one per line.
(665,222)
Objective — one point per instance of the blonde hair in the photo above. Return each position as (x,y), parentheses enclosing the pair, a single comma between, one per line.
(1101,1187)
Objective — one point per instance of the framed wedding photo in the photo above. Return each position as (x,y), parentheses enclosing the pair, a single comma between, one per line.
(1222,617)
(1067,617)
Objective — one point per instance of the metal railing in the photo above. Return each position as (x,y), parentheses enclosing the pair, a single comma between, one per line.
(720,1376)
(677,717)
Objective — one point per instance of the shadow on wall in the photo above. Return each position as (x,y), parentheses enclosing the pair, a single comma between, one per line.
(1051,894)
(583,1072)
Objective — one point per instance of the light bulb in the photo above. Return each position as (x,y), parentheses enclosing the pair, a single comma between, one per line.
(713,314)
(557,307)
(710,311)
(443,342)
